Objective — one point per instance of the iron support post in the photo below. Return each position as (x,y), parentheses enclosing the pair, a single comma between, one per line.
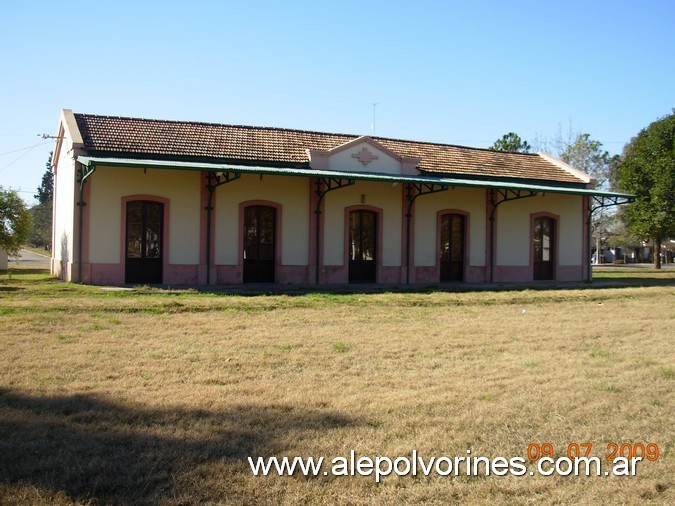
(413,191)
(505,196)
(323,186)
(214,180)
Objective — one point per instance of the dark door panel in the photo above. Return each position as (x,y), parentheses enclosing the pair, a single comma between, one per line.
(544,248)
(144,234)
(259,244)
(452,247)
(362,247)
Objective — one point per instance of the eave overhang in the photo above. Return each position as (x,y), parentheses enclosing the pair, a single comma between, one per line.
(495,184)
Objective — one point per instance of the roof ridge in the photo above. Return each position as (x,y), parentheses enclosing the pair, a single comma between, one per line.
(209,123)
(435,143)
(298,130)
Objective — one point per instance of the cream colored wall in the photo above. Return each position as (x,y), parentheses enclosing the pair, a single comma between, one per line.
(110,184)
(380,195)
(469,200)
(292,193)
(64,204)
(513,228)
(344,161)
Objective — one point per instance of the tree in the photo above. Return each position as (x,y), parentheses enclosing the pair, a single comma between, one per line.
(41,231)
(648,171)
(587,155)
(45,192)
(14,221)
(511,142)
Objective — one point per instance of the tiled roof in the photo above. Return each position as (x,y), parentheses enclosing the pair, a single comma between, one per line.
(208,141)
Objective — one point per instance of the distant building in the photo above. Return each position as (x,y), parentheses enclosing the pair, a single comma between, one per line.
(3,260)
(154,201)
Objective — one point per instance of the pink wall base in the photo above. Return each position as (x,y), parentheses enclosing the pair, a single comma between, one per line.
(294,275)
(512,273)
(432,274)
(518,273)
(570,273)
(179,274)
(230,274)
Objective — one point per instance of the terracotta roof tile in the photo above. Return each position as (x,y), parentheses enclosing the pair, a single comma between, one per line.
(209,141)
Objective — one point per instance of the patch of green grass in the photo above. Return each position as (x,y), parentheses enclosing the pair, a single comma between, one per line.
(530,363)
(600,353)
(66,338)
(341,346)
(668,372)
(612,389)
(644,363)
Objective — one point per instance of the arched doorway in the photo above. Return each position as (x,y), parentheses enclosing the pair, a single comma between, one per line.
(144,235)
(259,244)
(544,248)
(452,247)
(362,246)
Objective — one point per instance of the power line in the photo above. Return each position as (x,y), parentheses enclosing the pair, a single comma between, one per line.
(27,150)
(23,149)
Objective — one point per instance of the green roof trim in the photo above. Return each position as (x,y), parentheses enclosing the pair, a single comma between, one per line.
(496,184)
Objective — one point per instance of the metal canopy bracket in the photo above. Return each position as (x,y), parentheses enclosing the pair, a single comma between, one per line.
(216,179)
(213,181)
(415,190)
(509,195)
(600,201)
(328,184)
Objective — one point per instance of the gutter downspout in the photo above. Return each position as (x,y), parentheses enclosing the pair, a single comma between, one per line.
(209,208)
(82,175)
(317,212)
(411,199)
(589,262)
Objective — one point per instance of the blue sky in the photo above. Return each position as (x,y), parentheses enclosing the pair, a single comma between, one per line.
(455,72)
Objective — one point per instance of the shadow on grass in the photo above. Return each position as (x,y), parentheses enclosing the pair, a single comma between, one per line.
(94,449)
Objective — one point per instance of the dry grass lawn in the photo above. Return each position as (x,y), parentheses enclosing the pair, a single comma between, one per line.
(159,397)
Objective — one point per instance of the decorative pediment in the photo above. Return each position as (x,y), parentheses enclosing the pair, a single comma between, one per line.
(363,155)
